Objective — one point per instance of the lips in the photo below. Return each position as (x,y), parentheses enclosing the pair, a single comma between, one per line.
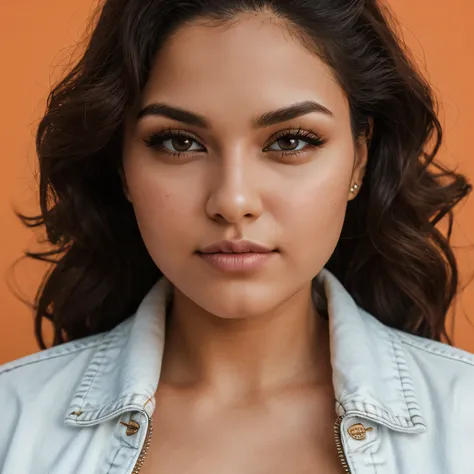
(235,246)
(242,256)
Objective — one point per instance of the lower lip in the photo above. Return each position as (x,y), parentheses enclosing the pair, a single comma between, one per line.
(237,262)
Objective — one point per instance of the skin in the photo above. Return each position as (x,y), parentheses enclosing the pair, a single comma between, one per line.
(247,358)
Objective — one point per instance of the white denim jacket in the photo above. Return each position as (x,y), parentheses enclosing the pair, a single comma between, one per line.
(406,403)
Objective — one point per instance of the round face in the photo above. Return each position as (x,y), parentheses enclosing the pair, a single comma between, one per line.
(239,161)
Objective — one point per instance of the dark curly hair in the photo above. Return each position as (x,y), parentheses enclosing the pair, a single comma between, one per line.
(391,257)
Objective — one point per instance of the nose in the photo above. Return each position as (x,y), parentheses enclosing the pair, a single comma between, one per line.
(234,196)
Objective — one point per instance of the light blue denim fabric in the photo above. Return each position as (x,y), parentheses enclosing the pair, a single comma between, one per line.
(61,408)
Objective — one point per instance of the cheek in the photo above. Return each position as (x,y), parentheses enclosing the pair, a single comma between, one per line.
(164,209)
(312,214)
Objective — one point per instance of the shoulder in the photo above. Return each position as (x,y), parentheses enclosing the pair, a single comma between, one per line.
(436,351)
(442,377)
(41,365)
(438,366)
(43,383)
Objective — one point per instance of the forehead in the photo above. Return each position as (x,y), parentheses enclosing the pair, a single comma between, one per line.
(247,67)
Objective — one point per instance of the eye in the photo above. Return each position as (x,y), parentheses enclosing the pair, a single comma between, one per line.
(178,143)
(174,142)
(294,142)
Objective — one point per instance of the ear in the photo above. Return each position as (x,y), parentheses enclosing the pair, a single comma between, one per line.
(123,180)
(361,153)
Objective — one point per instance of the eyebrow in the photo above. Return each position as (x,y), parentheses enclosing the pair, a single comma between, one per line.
(282,114)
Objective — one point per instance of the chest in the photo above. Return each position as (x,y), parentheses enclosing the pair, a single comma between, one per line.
(243,442)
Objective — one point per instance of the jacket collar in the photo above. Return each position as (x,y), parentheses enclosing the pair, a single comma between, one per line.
(370,373)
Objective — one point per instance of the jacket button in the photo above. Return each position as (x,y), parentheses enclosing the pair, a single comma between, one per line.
(132,427)
(358,431)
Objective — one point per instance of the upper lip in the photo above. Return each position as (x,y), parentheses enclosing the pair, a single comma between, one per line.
(235,246)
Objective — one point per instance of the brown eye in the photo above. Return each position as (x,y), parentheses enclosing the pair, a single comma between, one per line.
(288,143)
(296,142)
(180,143)
(173,142)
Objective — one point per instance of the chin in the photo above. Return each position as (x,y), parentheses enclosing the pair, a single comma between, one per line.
(247,310)
(237,300)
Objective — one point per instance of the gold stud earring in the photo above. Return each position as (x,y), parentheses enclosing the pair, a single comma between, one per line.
(354,187)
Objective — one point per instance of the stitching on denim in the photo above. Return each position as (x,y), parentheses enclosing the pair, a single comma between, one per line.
(439,354)
(373,463)
(131,460)
(398,362)
(113,460)
(349,457)
(52,356)
(106,349)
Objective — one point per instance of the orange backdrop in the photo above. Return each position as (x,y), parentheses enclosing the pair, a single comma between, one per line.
(36,38)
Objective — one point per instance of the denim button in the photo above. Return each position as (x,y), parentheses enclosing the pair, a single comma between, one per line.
(358,431)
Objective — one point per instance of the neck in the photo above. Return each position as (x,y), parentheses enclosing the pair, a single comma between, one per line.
(287,347)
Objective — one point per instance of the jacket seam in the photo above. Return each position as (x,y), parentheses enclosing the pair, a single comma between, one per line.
(350,458)
(50,357)
(113,460)
(439,354)
(398,362)
(106,349)
(373,463)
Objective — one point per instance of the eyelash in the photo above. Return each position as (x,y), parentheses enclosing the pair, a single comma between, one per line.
(156,139)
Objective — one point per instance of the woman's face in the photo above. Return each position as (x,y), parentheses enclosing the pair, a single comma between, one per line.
(239,177)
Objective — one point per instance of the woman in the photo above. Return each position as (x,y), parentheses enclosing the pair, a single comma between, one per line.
(247,275)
